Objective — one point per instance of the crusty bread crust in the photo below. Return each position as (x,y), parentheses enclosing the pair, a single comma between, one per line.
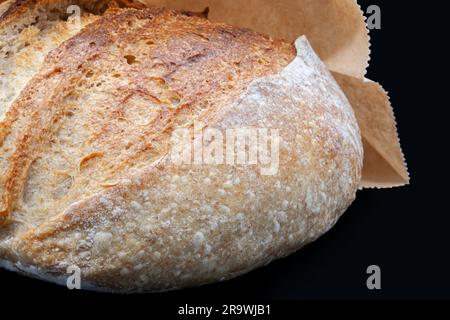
(25,39)
(4,5)
(89,181)
(17,8)
(177,75)
(28,31)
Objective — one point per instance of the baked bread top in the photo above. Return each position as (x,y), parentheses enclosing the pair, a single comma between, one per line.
(26,36)
(29,29)
(156,72)
(86,178)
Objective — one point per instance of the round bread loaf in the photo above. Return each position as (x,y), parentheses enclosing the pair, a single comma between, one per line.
(92,179)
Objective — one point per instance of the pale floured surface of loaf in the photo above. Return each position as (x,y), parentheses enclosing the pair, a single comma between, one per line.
(88,182)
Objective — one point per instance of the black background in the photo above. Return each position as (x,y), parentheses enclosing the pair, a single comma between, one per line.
(404,231)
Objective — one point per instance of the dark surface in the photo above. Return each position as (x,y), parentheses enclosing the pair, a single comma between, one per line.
(405,231)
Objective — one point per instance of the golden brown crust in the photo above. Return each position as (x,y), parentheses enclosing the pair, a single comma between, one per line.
(191,58)
(14,10)
(25,25)
(4,5)
(89,182)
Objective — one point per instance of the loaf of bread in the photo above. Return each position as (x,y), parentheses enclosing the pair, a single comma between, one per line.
(88,177)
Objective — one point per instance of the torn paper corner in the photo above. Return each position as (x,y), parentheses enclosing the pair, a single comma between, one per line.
(384,163)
